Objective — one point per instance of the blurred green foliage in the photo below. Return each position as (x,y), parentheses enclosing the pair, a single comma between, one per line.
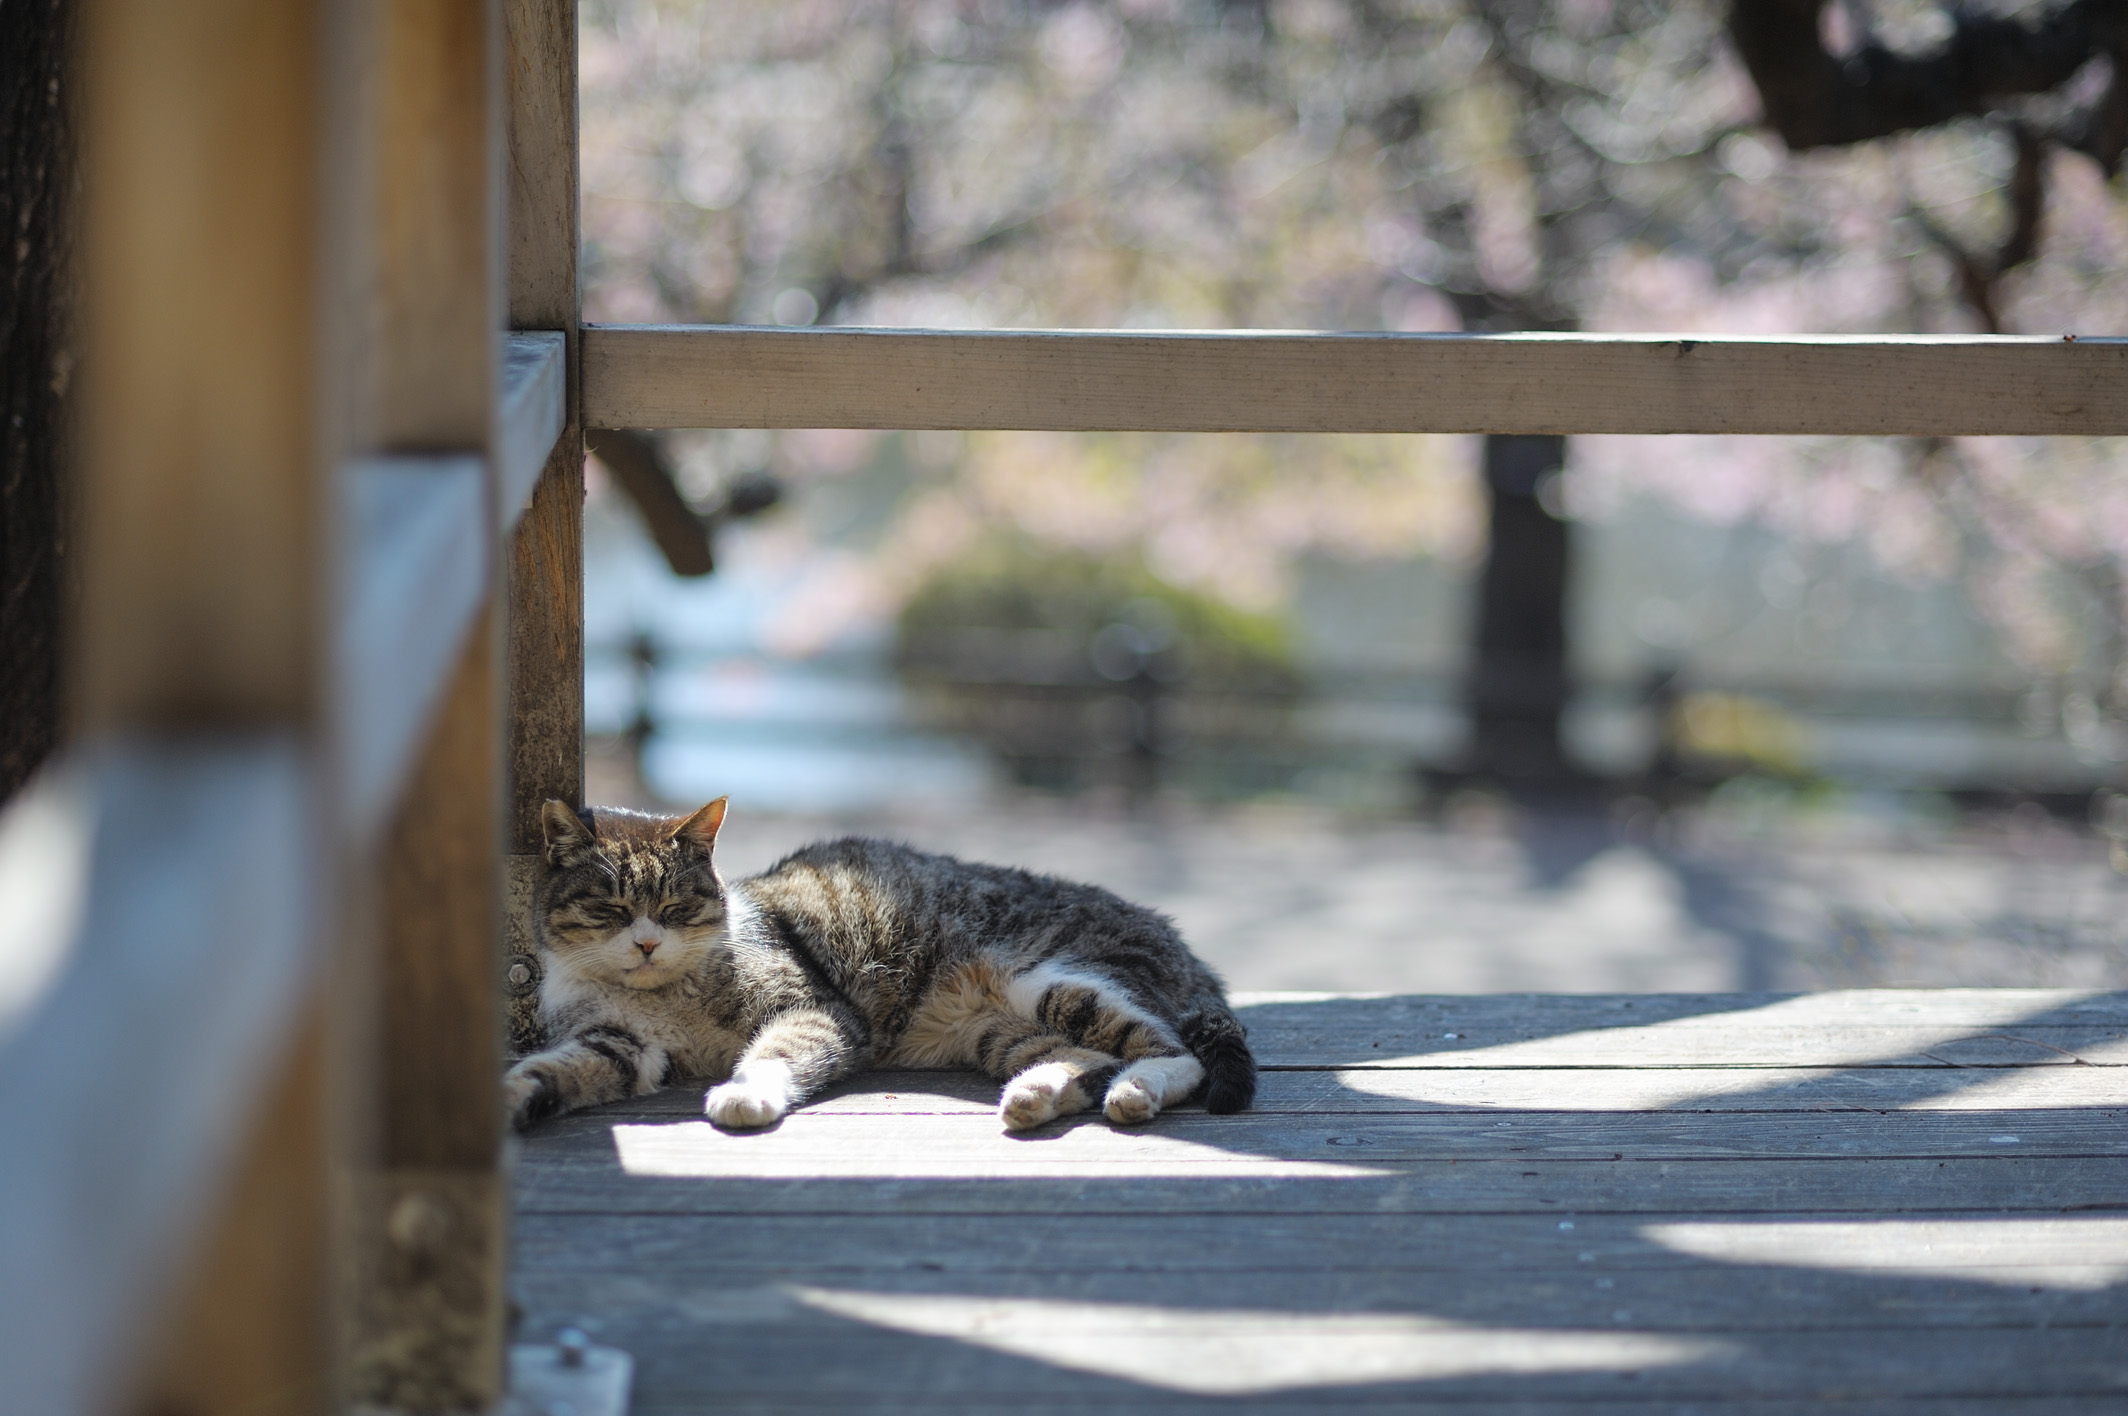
(1070,598)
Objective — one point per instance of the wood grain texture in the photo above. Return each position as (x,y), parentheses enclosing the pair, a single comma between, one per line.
(438,1051)
(1339,1252)
(1114,1403)
(639,376)
(416,558)
(426,1202)
(268,1236)
(200,474)
(534,411)
(430,1208)
(1542,1014)
(1864,1027)
(871,1184)
(430,305)
(1698,1237)
(182,882)
(545,749)
(827,1144)
(182,1209)
(1002,1353)
(1678,1298)
(1410,1091)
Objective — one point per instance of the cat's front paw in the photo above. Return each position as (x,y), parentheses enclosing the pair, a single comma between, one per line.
(529,1098)
(744,1103)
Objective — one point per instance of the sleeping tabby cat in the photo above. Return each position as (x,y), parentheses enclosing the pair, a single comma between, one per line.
(852,954)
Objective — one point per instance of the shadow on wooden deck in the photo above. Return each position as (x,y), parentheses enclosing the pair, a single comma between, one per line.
(1527,1202)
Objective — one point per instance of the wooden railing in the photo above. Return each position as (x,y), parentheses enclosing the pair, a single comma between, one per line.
(1267,381)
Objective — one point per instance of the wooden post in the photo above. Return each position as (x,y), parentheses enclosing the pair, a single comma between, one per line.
(202,572)
(546,554)
(430,1206)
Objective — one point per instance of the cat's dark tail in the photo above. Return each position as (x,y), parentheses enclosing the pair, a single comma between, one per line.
(1216,1038)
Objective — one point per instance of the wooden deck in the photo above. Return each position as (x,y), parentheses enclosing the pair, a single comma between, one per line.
(1877,1200)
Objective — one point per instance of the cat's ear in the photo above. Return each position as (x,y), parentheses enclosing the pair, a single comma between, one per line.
(701,828)
(568,833)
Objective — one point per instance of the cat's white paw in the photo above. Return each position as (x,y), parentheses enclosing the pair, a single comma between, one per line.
(1141,1089)
(755,1096)
(1034,1096)
(1130,1102)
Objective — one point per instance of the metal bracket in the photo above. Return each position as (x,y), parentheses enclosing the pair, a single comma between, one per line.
(571,1378)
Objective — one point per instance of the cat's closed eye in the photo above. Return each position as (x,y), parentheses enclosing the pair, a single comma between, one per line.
(605,911)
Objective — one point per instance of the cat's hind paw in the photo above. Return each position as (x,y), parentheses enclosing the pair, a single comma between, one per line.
(1130,1103)
(1141,1089)
(1035,1096)
(749,1101)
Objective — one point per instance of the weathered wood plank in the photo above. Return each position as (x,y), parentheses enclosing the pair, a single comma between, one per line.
(264,1237)
(535,409)
(1110,1403)
(545,748)
(1903,1028)
(201,572)
(203,596)
(1009,1350)
(428,1203)
(1415,1245)
(665,1182)
(160,902)
(833,1144)
(1538,1014)
(1428,1090)
(415,564)
(1743,1044)
(638,376)
(2087,1253)
(1711,1298)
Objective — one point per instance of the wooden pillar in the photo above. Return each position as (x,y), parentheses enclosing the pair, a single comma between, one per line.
(428,1229)
(202,572)
(546,554)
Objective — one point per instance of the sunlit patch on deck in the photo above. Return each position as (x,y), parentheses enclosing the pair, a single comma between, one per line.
(1238,1352)
(803,1149)
(2035,1252)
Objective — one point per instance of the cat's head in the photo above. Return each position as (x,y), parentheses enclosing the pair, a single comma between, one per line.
(630,898)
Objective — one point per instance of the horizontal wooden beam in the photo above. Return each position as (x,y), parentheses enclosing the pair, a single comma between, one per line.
(415,562)
(158,933)
(535,390)
(670,376)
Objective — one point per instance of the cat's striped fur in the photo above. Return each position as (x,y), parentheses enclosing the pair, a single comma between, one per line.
(852,954)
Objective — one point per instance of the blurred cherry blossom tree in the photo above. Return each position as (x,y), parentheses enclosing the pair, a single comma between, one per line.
(1386,164)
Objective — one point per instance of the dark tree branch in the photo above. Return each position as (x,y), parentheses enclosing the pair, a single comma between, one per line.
(1816,99)
(1979,273)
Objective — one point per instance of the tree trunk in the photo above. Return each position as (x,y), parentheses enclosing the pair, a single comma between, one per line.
(36,364)
(1518,681)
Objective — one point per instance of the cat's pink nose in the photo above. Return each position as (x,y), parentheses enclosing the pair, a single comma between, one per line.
(648,946)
